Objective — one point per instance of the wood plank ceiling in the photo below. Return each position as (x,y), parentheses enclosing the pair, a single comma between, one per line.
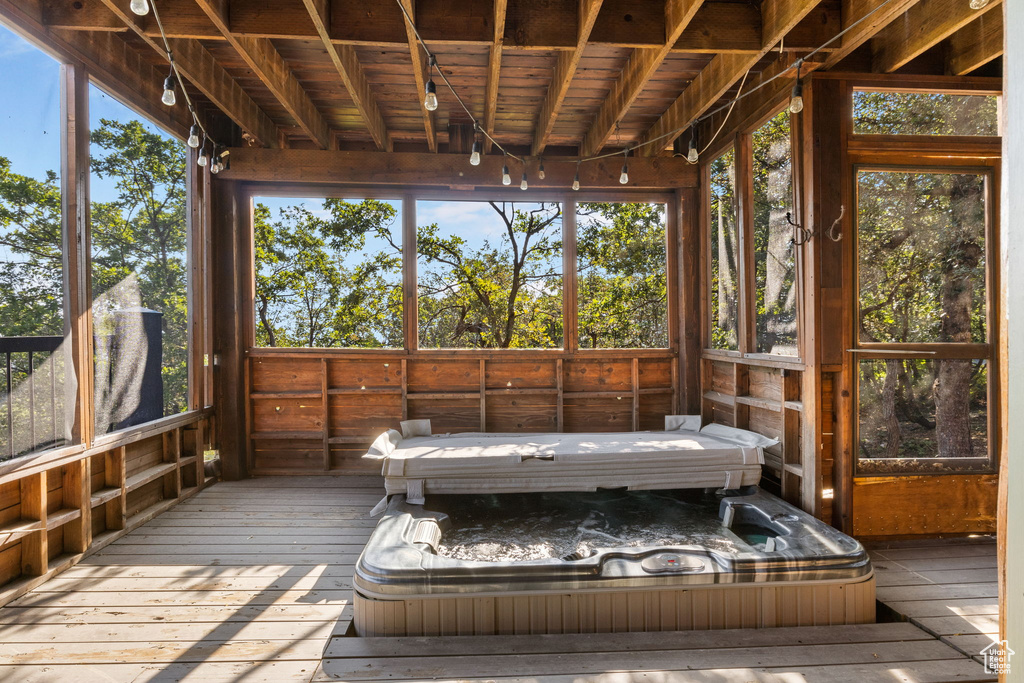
(561,76)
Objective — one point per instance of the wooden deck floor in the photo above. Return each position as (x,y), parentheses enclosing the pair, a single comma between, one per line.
(251,581)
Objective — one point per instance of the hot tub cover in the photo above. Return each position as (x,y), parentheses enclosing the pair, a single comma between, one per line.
(519,463)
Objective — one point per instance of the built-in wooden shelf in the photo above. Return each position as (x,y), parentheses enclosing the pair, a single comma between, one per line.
(148,475)
(763,403)
(349,439)
(269,395)
(18,528)
(386,391)
(287,436)
(187,460)
(104,495)
(63,516)
(718,397)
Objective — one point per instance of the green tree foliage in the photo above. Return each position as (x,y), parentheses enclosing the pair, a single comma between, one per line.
(774,263)
(622,283)
(901,113)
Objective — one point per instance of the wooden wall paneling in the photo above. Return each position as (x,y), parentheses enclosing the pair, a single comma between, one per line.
(77,496)
(928,505)
(76,249)
(34,545)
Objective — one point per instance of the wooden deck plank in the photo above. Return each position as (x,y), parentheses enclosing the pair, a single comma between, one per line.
(182,598)
(145,615)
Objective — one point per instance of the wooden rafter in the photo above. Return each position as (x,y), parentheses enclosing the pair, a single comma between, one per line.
(420,74)
(976,44)
(199,67)
(266,62)
(561,79)
(494,69)
(778,18)
(719,26)
(863,19)
(642,64)
(922,26)
(347,65)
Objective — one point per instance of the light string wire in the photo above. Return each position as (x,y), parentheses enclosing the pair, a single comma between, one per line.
(674,133)
(181,81)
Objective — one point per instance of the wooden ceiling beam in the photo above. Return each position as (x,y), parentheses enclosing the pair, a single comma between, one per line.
(778,18)
(347,64)
(975,45)
(642,64)
(561,78)
(864,18)
(199,67)
(420,72)
(921,27)
(266,62)
(494,70)
(717,27)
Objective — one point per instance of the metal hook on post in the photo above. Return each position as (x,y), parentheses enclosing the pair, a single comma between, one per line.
(800,234)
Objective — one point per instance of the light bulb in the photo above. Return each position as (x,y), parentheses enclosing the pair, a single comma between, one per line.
(576,180)
(140,7)
(540,171)
(430,101)
(796,100)
(474,158)
(215,167)
(979,4)
(624,175)
(691,154)
(523,185)
(506,179)
(193,137)
(202,158)
(169,99)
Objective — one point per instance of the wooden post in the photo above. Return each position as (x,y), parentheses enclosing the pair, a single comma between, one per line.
(1011,502)
(483,395)
(114,477)
(34,546)
(75,227)
(325,414)
(688,249)
(78,532)
(570,287)
(410,309)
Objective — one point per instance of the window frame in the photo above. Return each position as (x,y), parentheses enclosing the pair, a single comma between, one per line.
(864,351)
(411,195)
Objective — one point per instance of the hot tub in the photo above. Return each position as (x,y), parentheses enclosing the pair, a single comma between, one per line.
(606,561)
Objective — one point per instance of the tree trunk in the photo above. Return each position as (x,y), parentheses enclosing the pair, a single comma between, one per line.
(953,377)
(892,425)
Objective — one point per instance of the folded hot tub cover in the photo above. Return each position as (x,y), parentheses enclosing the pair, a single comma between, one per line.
(476,462)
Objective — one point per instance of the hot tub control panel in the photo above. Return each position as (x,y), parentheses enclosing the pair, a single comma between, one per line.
(663,563)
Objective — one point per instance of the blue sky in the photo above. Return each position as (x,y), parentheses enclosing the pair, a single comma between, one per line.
(30,111)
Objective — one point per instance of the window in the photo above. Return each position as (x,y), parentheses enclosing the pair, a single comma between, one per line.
(139,268)
(724,285)
(32,347)
(621,275)
(490,274)
(774,255)
(912,113)
(922,267)
(328,272)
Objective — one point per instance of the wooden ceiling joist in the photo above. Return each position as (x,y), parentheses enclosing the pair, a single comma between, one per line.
(199,67)
(494,70)
(719,26)
(347,64)
(561,78)
(420,71)
(864,18)
(975,45)
(263,58)
(921,27)
(778,18)
(642,64)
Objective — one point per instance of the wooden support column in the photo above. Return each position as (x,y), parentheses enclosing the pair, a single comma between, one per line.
(325,414)
(75,227)
(75,487)
(114,476)
(570,285)
(688,294)
(34,547)
(410,305)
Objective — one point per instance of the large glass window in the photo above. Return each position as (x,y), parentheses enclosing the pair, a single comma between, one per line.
(621,275)
(32,347)
(328,272)
(490,274)
(139,267)
(774,262)
(724,261)
(921,256)
(915,113)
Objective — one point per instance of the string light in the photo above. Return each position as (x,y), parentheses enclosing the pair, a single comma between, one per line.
(168,97)
(624,175)
(506,179)
(979,4)
(523,185)
(540,171)
(796,98)
(139,7)
(692,155)
(193,136)
(430,101)
(576,180)
(474,158)
(201,161)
